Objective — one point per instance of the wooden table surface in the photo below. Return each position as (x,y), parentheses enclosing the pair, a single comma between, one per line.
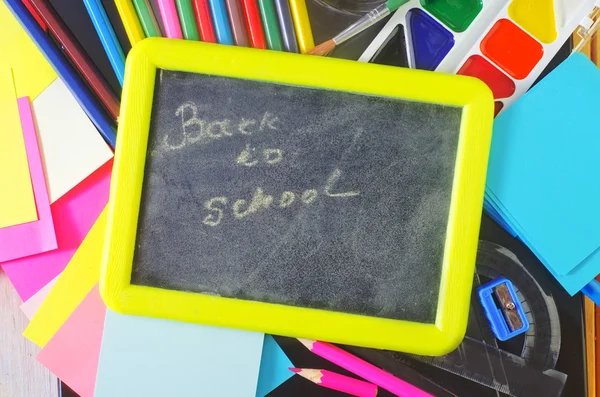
(20,373)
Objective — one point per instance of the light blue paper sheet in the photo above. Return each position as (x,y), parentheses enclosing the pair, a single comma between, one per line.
(544,165)
(274,367)
(151,357)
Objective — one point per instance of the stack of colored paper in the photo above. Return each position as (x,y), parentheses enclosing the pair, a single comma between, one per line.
(55,172)
(542,176)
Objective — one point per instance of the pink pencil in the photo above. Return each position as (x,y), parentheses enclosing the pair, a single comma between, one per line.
(338,382)
(363,369)
(168,13)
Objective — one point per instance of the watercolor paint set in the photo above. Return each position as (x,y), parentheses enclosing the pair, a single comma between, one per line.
(505,43)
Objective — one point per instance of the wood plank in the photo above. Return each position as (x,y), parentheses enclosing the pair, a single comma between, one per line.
(20,373)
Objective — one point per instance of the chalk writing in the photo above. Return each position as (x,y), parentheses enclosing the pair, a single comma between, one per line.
(244,157)
(258,202)
(308,196)
(261,201)
(247,157)
(287,199)
(335,175)
(198,130)
(214,219)
(273,156)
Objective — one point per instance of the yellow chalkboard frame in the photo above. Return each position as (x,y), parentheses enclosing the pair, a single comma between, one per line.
(333,74)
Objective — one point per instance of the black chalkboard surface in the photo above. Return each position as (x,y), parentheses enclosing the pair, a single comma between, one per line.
(293,195)
(299,196)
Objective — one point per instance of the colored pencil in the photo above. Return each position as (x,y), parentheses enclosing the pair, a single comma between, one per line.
(331,380)
(597,346)
(366,21)
(205,23)
(270,24)
(76,54)
(107,37)
(187,18)
(590,345)
(288,34)
(147,18)
(62,67)
(238,23)
(220,19)
(131,22)
(302,25)
(255,28)
(168,13)
(33,12)
(363,369)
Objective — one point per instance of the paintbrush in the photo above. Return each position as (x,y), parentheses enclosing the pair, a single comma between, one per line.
(370,19)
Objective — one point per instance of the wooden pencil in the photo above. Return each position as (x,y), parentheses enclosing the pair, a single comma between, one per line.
(595,376)
(238,23)
(218,11)
(286,24)
(270,24)
(168,13)
(147,18)
(256,33)
(590,344)
(108,37)
(131,23)
(302,25)
(204,20)
(331,380)
(361,368)
(187,17)
(77,55)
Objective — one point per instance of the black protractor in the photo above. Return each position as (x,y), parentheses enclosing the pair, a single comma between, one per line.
(540,345)
(520,367)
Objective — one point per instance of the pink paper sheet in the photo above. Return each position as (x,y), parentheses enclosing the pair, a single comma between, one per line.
(31,305)
(38,236)
(74,214)
(73,352)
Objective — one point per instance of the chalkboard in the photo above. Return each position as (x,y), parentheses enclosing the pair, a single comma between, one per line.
(297,196)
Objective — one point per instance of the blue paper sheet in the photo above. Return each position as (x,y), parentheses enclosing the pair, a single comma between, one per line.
(150,357)
(274,367)
(544,165)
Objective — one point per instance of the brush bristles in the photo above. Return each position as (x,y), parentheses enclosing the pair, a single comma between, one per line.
(323,49)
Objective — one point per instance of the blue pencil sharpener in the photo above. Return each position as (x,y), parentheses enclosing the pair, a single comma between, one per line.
(503,308)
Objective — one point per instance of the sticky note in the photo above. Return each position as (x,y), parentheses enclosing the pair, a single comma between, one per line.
(31,305)
(17,204)
(543,168)
(274,367)
(72,286)
(73,352)
(147,357)
(73,214)
(72,148)
(32,73)
(39,236)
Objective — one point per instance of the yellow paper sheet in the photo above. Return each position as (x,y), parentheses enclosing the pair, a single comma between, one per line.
(31,71)
(17,204)
(76,281)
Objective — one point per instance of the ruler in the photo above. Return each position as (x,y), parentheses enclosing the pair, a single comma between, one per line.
(498,369)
